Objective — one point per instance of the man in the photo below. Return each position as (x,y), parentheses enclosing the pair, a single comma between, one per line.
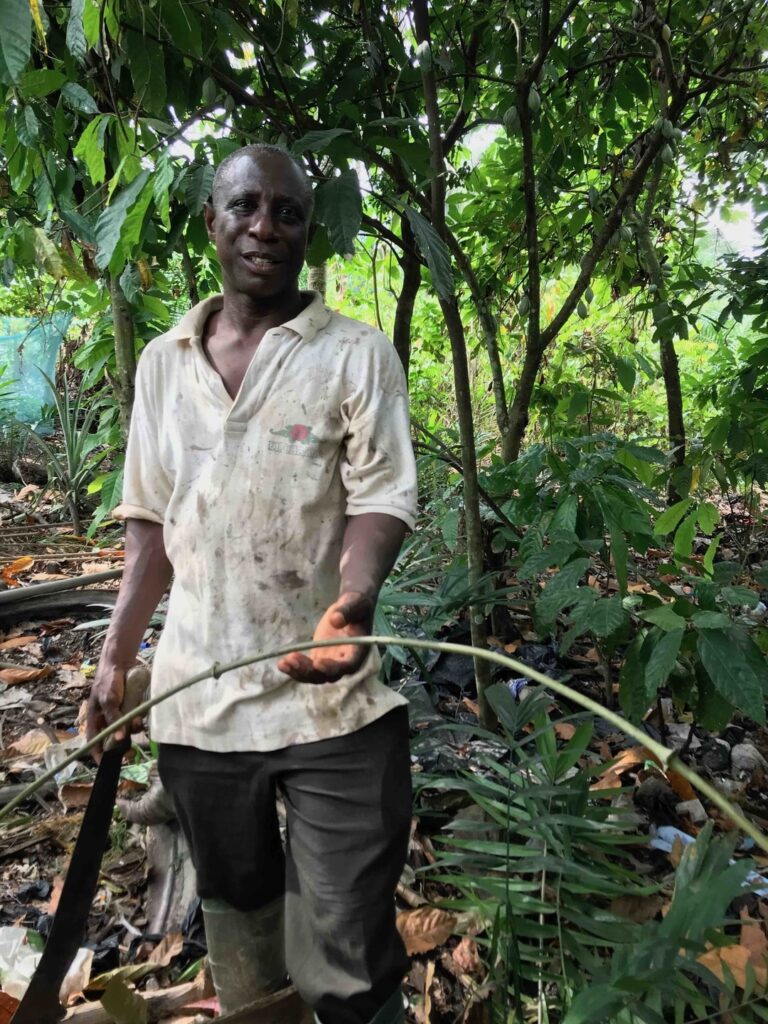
(269,470)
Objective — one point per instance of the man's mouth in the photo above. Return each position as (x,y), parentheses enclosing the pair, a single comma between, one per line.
(261,260)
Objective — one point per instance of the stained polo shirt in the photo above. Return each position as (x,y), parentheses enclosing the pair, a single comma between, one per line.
(253,495)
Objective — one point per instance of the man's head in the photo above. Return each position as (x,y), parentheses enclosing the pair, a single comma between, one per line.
(259,219)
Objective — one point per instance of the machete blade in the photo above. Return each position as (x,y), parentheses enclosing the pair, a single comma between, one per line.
(40,1003)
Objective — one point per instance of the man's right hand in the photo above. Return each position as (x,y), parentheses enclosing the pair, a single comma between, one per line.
(145,578)
(105,703)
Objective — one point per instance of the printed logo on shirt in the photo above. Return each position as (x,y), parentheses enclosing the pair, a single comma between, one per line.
(299,432)
(303,442)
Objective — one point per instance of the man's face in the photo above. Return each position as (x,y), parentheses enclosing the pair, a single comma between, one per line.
(259,225)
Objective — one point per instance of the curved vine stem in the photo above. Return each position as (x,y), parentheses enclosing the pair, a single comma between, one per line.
(667,758)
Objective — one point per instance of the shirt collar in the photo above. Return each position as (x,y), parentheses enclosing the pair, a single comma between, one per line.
(313,318)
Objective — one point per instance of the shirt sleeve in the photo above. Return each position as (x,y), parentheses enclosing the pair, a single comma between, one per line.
(146,485)
(378,468)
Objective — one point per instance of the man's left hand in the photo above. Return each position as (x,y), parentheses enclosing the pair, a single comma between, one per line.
(350,616)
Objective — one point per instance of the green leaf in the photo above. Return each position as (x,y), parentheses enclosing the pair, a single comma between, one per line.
(664,617)
(124,1005)
(708,561)
(90,148)
(110,223)
(92,11)
(78,98)
(197,188)
(684,536)
(710,620)
(560,591)
(606,616)
(161,184)
(40,82)
(76,42)
(664,650)
(319,249)
(737,669)
(739,596)
(15,38)
(564,519)
(317,141)
(632,677)
(339,206)
(435,252)
(669,519)
(708,517)
(27,127)
(626,373)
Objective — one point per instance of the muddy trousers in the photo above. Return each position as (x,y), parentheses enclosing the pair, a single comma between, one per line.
(348,809)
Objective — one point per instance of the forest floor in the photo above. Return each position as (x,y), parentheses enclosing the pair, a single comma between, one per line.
(145,925)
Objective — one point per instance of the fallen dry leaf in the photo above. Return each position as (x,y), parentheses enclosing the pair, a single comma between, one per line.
(467,958)
(18,565)
(736,959)
(425,928)
(676,853)
(471,705)
(167,948)
(75,794)
(754,939)
(681,786)
(17,641)
(41,577)
(27,492)
(639,909)
(71,678)
(428,982)
(565,730)
(53,902)
(12,676)
(628,759)
(7,1007)
(31,743)
(56,626)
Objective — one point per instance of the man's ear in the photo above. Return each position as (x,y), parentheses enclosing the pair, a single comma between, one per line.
(209,215)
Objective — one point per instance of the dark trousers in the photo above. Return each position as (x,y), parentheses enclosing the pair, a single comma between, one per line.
(348,810)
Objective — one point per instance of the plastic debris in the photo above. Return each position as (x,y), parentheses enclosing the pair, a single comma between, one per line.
(19,960)
(663,838)
(516,685)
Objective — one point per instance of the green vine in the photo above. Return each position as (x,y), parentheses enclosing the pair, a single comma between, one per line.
(668,758)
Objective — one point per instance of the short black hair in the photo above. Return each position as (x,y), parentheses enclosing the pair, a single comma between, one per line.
(254,150)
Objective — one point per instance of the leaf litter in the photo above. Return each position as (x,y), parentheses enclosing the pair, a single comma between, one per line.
(449,973)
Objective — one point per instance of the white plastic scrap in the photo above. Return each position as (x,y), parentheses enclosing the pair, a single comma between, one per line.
(18,962)
(663,838)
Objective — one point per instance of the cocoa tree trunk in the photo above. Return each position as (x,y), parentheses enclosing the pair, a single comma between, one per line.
(125,352)
(670,367)
(411,267)
(455,328)
(317,278)
(512,440)
(189,272)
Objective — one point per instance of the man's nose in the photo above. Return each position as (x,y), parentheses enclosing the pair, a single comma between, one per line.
(262,224)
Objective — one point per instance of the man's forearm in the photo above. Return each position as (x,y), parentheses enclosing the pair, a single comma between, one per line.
(145,579)
(371,544)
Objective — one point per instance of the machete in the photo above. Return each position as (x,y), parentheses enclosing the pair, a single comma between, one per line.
(40,1003)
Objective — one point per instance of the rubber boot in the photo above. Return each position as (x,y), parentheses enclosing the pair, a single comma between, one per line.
(392,1012)
(246,952)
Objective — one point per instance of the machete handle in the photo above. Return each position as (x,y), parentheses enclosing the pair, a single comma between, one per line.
(136,686)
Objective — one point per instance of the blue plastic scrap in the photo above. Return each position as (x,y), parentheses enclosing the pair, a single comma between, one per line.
(663,838)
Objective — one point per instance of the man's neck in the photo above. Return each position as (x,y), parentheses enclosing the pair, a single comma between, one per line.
(245,316)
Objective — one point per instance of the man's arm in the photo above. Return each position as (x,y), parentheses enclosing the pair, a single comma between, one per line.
(369,549)
(145,579)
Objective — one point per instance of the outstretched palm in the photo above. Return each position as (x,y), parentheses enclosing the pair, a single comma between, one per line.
(350,616)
